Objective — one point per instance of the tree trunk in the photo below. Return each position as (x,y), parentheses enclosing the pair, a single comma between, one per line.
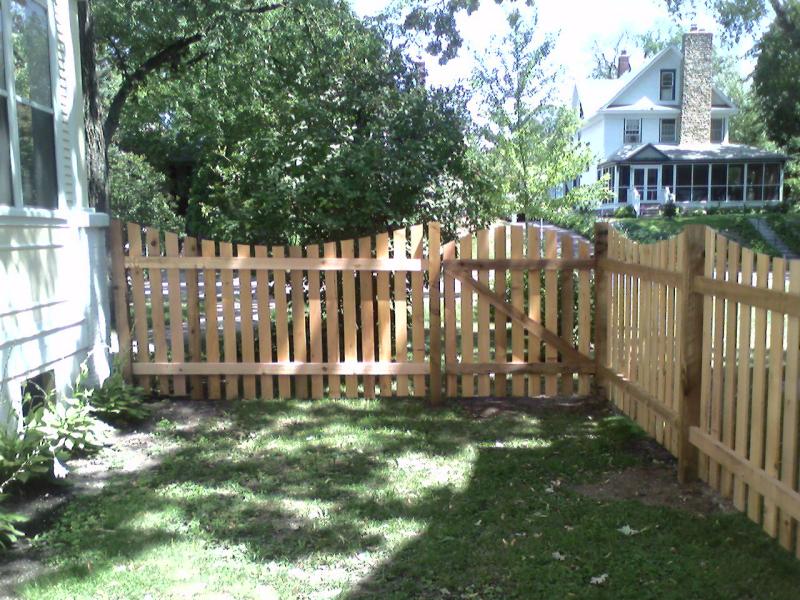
(96,147)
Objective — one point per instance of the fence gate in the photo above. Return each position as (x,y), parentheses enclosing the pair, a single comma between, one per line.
(526,316)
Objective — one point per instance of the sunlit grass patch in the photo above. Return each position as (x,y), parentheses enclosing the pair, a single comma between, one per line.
(350,499)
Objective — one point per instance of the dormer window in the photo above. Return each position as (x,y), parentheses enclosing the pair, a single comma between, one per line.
(633,131)
(717,130)
(667,85)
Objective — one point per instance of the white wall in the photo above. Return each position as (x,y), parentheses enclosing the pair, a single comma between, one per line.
(54,305)
(648,85)
(53,263)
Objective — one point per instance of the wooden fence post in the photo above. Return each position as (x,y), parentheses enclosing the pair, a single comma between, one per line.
(690,339)
(119,285)
(601,305)
(434,277)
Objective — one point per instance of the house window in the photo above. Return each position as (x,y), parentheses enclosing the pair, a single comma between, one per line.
(27,114)
(667,85)
(717,130)
(668,132)
(633,131)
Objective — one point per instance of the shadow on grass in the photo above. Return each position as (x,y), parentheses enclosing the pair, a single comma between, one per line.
(369,486)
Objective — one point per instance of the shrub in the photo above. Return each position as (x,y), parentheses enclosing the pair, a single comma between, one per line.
(625,212)
(8,531)
(53,429)
(118,402)
(669,210)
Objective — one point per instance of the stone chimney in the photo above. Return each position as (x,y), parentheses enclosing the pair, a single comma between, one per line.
(623,64)
(696,87)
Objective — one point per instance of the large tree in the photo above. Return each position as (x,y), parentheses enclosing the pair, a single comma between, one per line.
(308,128)
(530,143)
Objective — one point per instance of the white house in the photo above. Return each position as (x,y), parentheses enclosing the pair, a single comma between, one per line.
(53,275)
(661,134)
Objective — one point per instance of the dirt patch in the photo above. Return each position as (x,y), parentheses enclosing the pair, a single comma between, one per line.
(483,408)
(656,485)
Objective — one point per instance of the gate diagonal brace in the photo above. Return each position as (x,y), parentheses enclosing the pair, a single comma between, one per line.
(569,353)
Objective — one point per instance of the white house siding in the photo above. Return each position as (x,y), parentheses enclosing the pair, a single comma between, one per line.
(648,85)
(53,264)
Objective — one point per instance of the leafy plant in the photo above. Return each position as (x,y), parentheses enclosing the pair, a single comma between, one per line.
(52,430)
(8,530)
(625,212)
(117,401)
(669,210)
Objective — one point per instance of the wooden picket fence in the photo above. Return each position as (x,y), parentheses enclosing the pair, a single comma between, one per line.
(251,321)
(702,350)
(694,338)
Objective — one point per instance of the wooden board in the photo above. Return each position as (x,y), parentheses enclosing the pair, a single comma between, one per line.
(484,347)
(434,294)
(140,326)
(517,301)
(246,322)
(534,309)
(743,381)
(332,322)
(399,250)
(584,316)
(190,248)
(281,324)
(161,351)
(177,349)
(500,321)
(467,327)
(229,345)
(384,313)
(119,282)
(349,318)
(551,309)
(729,391)
(266,383)
(758,408)
(315,323)
(367,315)
(791,415)
(299,340)
(774,408)
(418,348)
(450,323)
(567,307)
(209,248)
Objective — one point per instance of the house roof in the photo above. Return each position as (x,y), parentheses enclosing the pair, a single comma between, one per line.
(596,95)
(692,153)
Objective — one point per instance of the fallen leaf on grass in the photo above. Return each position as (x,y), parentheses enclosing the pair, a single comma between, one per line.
(559,556)
(599,580)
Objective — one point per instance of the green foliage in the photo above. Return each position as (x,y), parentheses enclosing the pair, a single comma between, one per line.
(531,146)
(311,126)
(670,210)
(138,192)
(9,533)
(625,212)
(117,401)
(52,430)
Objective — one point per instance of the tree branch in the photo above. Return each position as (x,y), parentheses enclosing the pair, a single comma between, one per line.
(173,52)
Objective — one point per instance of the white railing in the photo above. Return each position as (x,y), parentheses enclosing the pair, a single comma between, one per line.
(636,200)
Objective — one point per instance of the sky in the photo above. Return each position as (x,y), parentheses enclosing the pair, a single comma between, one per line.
(580,23)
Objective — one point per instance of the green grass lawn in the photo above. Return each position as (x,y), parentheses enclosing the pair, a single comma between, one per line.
(736,227)
(391,499)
